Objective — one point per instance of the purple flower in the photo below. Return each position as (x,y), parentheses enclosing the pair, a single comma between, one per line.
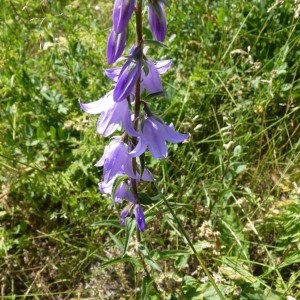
(116,160)
(115,45)
(129,74)
(112,114)
(127,79)
(154,134)
(138,213)
(150,79)
(139,217)
(122,192)
(157,20)
(122,12)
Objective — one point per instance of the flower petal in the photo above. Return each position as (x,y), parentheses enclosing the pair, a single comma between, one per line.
(157,20)
(115,46)
(140,148)
(173,136)
(98,106)
(151,81)
(122,12)
(163,65)
(127,79)
(140,217)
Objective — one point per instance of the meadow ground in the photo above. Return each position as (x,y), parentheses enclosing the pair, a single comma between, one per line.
(231,193)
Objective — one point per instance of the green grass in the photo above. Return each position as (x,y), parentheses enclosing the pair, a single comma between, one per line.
(233,188)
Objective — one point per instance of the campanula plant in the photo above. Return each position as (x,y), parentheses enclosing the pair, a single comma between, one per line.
(123,107)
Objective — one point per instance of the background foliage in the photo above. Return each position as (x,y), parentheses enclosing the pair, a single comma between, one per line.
(234,185)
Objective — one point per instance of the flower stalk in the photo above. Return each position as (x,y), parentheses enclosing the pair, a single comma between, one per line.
(144,131)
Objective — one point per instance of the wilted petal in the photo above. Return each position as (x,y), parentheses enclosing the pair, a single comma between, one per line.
(157,20)
(122,12)
(115,46)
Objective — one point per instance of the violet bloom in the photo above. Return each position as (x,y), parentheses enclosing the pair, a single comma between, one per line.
(123,191)
(150,80)
(157,20)
(116,159)
(154,134)
(138,213)
(115,45)
(112,114)
(122,12)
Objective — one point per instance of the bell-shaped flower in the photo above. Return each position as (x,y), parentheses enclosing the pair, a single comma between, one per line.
(122,191)
(154,134)
(112,114)
(116,159)
(115,45)
(157,20)
(122,12)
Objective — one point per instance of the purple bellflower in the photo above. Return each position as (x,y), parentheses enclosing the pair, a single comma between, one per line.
(115,159)
(112,114)
(115,45)
(154,134)
(157,20)
(123,191)
(122,12)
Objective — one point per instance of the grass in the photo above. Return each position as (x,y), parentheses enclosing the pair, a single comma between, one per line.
(232,190)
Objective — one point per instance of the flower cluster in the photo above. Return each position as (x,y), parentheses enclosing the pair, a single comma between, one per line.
(118,109)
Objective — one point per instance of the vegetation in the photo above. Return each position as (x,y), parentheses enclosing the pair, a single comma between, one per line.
(234,186)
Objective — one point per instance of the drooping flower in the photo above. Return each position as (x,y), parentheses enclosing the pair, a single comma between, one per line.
(122,12)
(154,134)
(157,20)
(116,159)
(115,45)
(138,213)
(124,192)
(112,114)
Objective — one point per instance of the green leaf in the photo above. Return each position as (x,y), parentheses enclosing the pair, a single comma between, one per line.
(129,228)
(117,242)
(144,250)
